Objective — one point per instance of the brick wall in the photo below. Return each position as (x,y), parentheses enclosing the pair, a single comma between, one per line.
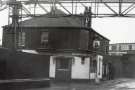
(18,65)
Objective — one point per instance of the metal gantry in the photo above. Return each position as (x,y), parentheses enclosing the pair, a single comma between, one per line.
(19,9)
(100,8)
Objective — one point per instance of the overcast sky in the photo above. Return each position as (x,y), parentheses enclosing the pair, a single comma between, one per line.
(118,30)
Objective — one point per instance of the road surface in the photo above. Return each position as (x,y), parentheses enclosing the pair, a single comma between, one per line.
(119,84)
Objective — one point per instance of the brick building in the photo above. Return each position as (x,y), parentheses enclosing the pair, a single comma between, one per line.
(122,48)
(76,50)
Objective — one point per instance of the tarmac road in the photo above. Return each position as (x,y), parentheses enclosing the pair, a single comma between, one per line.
(119,84)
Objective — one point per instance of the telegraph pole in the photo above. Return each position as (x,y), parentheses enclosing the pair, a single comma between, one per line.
(14,17)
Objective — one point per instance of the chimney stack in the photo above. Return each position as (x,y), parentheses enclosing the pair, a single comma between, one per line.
(87,17)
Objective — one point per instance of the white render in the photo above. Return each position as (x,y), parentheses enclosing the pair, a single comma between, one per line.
(52,67)
(92,75)
(99,72)
(79,70)
(99,66)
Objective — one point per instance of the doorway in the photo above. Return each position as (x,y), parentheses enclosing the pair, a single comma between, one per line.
(63,68)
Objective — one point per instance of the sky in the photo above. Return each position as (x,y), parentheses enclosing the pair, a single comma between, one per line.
(116,29)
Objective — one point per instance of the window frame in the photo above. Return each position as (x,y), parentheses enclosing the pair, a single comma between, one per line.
(44,42)
(96,43)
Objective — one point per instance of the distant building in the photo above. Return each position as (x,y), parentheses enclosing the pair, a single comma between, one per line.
(76,51)
(121,48)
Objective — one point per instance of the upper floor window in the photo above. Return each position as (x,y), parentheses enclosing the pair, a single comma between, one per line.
(96,43)
(44,39)
(21,38)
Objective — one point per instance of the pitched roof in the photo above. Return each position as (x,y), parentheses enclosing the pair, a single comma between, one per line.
(60,19)
(57,19)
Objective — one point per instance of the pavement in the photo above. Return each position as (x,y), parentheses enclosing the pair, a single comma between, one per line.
(117,84)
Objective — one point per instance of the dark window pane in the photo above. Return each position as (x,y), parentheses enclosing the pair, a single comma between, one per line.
(64,64)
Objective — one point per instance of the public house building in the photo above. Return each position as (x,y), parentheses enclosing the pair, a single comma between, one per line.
(76,50)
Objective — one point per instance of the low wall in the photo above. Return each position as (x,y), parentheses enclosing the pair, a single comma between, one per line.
(116,65)
(19,66)
(22,65)
(128,62)
(123,66)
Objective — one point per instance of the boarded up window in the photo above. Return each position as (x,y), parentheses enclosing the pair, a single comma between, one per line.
(44,39)
(21,39)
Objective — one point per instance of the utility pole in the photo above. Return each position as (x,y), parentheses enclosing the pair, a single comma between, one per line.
(14,16)
(120,7)
(53,6)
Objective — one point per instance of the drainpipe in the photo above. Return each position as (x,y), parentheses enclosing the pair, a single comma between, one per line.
(16,6)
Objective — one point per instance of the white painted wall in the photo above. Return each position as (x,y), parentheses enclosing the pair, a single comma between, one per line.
(92,75)
(99,66)
(52,67)
(80,71)
(98,72)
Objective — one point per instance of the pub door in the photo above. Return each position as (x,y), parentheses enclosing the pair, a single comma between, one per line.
(63,69)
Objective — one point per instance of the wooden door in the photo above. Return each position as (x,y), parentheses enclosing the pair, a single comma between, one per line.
(63,69)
